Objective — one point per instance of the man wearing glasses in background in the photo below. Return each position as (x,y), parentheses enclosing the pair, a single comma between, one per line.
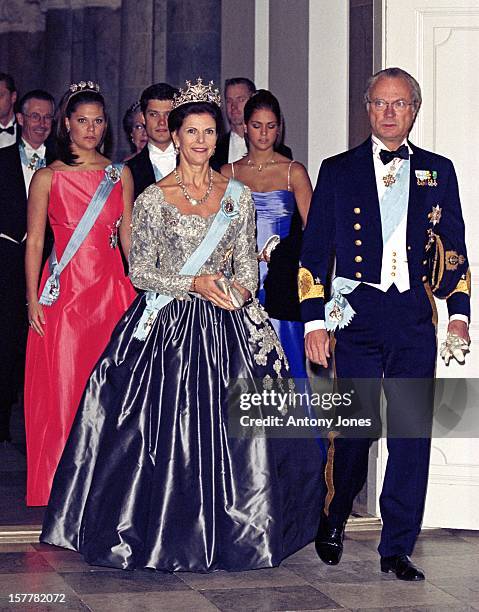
(380,210)
(18,163)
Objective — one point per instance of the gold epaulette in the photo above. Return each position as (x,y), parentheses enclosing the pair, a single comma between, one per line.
(309,287)
(464,285)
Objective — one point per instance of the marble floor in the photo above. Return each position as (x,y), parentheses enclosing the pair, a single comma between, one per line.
(450,559)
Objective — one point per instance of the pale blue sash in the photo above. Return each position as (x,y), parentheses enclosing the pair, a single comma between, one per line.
(158,173)
(228,210)
(393,207)
(51,290)
(338,312)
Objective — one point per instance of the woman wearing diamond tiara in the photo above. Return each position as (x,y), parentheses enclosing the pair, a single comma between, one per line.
(150,477)
(83,290)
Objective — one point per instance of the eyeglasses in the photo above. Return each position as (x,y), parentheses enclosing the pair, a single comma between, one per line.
(398,105)
(36,117)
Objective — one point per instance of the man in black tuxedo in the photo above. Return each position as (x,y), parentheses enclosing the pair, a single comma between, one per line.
(232,146)
(158,158)
(8,125)
(18,163)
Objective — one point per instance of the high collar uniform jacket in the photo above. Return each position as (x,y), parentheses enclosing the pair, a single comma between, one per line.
(344,222)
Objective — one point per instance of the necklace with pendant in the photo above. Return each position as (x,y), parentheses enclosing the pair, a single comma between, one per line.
(260,167)
(194,201)
(390,178)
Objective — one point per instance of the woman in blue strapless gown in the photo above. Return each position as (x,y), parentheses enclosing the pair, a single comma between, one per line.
(282,192)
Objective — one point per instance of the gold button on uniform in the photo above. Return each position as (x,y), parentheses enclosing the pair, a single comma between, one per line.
(358,259)
(358,275)
(394,267)
(394,261)
(408,248)
(393,273)
(358,242)
(424,278)
(424,262)
(357,211)
(357,226)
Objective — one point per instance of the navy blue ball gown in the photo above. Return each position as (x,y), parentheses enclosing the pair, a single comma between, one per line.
(150,477)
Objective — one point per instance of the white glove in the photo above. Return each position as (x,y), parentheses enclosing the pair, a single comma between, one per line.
(454,347)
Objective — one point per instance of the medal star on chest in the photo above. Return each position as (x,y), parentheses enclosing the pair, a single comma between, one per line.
(435,215)
(389,179)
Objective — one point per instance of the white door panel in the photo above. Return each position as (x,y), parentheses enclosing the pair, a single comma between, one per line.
(438,42)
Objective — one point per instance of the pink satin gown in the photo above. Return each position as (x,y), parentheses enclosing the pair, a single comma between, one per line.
(94,294)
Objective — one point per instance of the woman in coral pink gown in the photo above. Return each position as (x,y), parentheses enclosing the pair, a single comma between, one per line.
(67,337)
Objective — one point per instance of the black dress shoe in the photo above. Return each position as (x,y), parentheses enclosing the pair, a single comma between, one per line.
(329,542)
(403,567)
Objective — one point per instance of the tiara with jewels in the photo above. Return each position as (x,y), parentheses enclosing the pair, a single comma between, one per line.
(197,93)
(84,86)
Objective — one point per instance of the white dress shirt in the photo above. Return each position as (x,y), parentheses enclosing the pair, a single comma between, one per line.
(237,148)
(394,266)
(7,139)
(165,160)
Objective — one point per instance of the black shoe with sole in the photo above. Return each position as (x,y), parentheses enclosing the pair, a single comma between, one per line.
(329,542)
(403,567)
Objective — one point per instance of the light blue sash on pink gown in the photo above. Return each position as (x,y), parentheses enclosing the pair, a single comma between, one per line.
(51,290)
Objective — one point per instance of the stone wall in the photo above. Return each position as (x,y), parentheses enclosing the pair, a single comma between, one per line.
(124,45)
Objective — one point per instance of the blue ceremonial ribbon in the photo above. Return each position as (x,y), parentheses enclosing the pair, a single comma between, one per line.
(393,205)
(40,162)
(338,311)
(158,173)
(51,290)
(156,301)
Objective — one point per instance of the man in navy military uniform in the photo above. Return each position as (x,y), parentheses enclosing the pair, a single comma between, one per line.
(378,210)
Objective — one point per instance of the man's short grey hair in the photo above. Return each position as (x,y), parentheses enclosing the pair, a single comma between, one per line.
(395,73)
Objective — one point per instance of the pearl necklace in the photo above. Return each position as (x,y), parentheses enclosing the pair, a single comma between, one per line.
(194,201)
(262,165)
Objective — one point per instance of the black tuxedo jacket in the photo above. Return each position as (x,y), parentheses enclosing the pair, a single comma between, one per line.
(13,195)
(142,171)
(222,149)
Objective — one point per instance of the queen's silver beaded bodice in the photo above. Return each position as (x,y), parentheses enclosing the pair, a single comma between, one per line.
(163,239)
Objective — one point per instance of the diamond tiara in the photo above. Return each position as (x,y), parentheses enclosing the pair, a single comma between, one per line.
(83,86)
(197,93)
